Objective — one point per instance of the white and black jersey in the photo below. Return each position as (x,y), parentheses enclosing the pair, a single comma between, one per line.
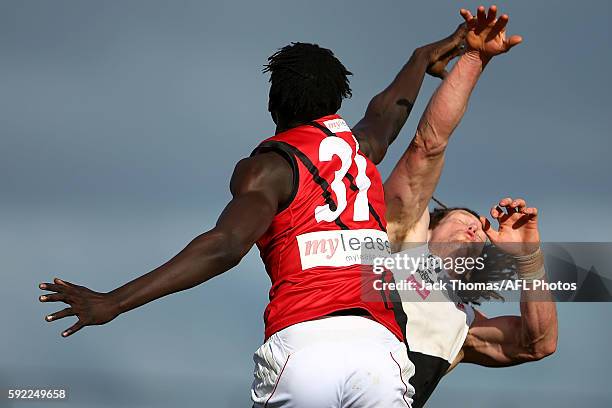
(436,325)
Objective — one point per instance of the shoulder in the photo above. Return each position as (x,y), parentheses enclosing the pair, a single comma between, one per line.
(261,170)
(266,173)
(369,146)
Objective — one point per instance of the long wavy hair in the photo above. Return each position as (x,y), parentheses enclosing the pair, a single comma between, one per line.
(498,266)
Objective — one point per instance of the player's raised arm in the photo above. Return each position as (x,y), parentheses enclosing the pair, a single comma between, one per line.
(259,185)
(414,178)
(510,340)
(387,112)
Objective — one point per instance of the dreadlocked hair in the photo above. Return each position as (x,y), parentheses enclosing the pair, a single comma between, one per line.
(307,82)
(498,266)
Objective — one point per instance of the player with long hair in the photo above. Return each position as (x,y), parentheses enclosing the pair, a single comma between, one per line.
(442,328)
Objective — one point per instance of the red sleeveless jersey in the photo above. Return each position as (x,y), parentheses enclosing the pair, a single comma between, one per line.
(312,250)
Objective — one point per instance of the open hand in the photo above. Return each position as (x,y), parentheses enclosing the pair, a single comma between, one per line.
(518,227)
(91,308)
(487,34)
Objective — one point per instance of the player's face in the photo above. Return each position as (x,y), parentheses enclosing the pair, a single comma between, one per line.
(460,226)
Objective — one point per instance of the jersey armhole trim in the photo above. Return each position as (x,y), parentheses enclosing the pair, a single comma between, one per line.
(278,147)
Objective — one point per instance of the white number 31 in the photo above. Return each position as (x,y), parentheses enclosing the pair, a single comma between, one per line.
(336,146)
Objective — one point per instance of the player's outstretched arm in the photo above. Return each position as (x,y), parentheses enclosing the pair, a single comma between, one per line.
(259,185)
(415,177)
(510,340)
(388,111)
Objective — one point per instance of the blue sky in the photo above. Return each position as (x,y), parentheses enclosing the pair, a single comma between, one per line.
(121,123)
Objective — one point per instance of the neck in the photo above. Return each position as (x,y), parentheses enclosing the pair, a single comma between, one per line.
(282,127)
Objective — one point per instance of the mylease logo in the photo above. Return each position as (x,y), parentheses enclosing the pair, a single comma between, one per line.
(342,248)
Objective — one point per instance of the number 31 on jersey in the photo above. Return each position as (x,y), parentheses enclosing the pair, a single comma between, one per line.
(336,146)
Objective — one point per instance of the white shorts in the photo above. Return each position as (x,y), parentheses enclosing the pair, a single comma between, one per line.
(334,362)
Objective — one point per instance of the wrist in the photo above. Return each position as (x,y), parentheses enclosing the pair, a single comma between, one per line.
(476,57)
(114,304)
(531,266)
(424,54)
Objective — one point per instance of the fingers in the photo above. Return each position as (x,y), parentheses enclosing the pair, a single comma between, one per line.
(63,289)
(496,212)
(458,37)
(505,202)
(60,287)
(513,207)
(52,287)
(500,24)
(486,225)
(492,14)
(488,230)
(499,27)
(513,40)
(531,215)
(522,220)
(54,297)
(518,205)
(499,214)
(467,16)
(470,20)
(481,14)
(73,329)
(64,282)
(487,20)
(61,314)
(461,30)
(452,53)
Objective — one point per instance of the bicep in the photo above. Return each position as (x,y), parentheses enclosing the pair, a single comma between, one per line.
(246,218)
(259,185)
(372,141)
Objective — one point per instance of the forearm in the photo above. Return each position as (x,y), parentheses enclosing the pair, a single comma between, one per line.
(538,310)
(388,111)
(258,185)
(391,107)
(205,257)
(416,175)
(448,104)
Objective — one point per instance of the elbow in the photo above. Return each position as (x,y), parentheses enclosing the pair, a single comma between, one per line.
(540,351)
(226,247)
(546,345)
(435,150)
(234,249)
(546,349)
(430,147)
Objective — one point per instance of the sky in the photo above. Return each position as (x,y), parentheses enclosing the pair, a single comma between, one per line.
(121,122)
